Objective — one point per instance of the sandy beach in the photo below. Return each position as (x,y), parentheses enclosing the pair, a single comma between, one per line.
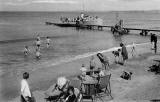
(143,86)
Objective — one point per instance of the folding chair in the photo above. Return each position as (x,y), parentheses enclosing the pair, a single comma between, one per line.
(104,86)
(88,91)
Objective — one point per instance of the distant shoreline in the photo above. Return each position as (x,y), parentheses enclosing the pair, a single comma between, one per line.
(79,11)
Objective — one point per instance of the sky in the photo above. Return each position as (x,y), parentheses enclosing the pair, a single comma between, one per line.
(78,5)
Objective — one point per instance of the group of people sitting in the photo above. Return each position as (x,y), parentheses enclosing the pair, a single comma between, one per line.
(63,92)
(38,45)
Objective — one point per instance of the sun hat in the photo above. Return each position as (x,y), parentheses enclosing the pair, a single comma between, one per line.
(83,69)
(61,81)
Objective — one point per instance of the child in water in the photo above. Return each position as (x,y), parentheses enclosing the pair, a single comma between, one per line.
(48,41)
(26,51)
(38,43)
(38,54)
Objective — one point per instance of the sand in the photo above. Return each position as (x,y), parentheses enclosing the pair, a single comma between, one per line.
(142,87)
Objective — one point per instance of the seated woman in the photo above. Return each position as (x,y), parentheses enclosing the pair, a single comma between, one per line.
(58,90)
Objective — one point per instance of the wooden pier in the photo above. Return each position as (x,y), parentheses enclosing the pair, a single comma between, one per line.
(100,27)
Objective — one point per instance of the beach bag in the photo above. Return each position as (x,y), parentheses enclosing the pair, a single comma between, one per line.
(126,75)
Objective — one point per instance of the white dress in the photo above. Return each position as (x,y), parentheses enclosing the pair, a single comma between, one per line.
(25,91)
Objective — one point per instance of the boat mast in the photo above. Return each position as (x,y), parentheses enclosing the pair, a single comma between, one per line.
(83,7)
(117,17)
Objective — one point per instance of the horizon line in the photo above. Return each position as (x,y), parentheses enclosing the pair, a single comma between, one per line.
(81,11)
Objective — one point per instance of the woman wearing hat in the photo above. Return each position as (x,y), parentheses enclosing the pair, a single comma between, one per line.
(124,52)
(57,90)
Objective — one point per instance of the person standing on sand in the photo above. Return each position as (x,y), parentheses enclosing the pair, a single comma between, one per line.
(155,43)
(48,41)
(26,95)
(152,41)
(133,48)
(124,52)
(104,60)
(92,63)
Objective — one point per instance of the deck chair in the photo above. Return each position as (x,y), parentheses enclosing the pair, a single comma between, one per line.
(104,87)
(88,91)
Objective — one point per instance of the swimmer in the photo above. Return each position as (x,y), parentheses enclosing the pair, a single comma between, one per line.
(38,43)
(48,41)
(38,54)
(38,37)
(26,50)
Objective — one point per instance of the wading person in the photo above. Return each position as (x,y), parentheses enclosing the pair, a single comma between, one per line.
(26,51)
(48,40)
(38,43)
(26,95)
(124,53)
(104,60)
(38,54)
